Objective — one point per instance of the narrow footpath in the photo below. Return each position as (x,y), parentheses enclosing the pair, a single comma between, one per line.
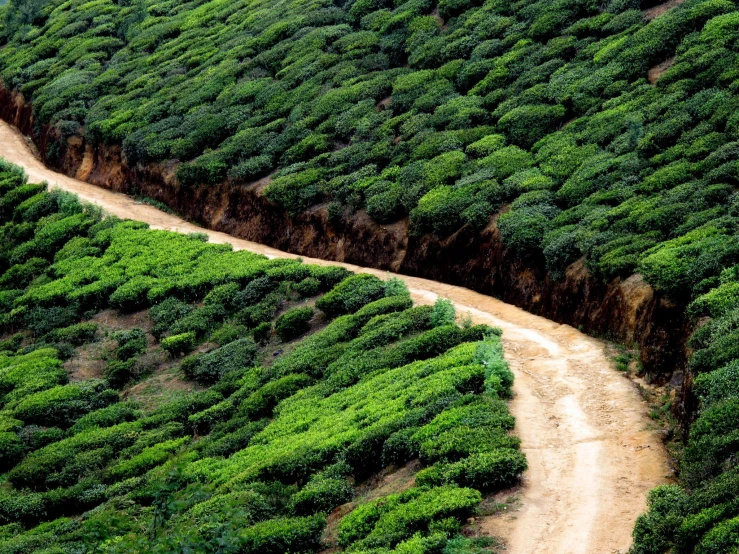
(583,425)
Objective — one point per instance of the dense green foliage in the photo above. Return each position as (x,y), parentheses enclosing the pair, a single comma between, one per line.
(271,441)
(444,111)
(701,515)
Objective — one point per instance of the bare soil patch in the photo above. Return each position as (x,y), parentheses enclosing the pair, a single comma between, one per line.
(656,11)
(89,361)
(658,70)
(161,387)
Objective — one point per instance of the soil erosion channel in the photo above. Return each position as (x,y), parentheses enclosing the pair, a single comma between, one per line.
(583,425)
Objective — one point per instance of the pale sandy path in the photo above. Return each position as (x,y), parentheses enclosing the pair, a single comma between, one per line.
(582,424)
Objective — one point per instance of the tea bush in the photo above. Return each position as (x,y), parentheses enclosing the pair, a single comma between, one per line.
(294,323)
(351,294)
(699,515)
(182,343)
(234,356)
(385,108)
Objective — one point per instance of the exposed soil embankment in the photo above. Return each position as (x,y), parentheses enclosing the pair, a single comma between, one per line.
(624,310)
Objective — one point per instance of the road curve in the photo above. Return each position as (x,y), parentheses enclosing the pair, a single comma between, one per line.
(583,425)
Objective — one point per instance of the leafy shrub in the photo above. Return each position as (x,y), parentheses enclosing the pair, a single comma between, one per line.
(387,522)
(322,493)
(486,471)
(11,450)
(166,313)
(264,400)
(262,332)
(64,404)
(76,335)
(286,438)
(310,286)
(210,367)
(114,414)
(294,323)
(176,344)
(130,343)
(443,313)
(228,333)
(351,294)
(525,125)
(149,458)
(277,536)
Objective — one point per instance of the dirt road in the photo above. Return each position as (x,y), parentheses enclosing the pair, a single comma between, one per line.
(582,424)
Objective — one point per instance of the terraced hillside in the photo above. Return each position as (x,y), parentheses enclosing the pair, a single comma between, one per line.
(300,383)
(444,113)
(563,153)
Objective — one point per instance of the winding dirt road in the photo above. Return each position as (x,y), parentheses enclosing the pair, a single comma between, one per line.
(582,424)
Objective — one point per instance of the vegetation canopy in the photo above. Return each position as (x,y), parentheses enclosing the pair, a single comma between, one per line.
(441,111)
(237,401)
(603,132)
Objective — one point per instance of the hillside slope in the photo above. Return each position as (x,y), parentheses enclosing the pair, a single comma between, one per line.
(441,112)
(299,384)
(555,142)
(580,429)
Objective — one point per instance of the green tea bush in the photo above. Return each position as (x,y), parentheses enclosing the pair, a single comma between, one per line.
(443,313)
(282,535)
(234,356)
(228,332)
(202,422)
(76,335)
(130,343)
(486,471)
(310,286)
(267,443)
(166,313)
(234,441)
(114,414)
(11,450)
(182,343)
(262,333)
(385,524)
(464,441)
(322,493)
(294,323)
(525,125)
(62,405)
(149,458)
(263,401)
(351,294)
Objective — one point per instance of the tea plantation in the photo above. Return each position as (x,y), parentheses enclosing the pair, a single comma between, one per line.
(605,131)
(441,111)
(304,383)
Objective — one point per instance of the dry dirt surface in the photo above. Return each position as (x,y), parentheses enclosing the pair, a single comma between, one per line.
(654,74)
(661,9)
(583,425)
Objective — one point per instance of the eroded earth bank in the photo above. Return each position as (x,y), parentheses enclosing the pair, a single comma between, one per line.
(628,311)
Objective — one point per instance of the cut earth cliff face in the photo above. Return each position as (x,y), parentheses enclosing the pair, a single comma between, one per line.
(627,311)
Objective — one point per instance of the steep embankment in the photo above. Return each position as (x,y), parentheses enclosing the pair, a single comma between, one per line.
(592,458)
(628,310)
